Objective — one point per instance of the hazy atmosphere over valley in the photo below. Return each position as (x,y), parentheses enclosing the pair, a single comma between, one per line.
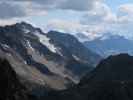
(66,49)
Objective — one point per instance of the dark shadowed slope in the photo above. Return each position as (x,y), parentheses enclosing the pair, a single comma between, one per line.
(111,80)
(119,68)
(10,87)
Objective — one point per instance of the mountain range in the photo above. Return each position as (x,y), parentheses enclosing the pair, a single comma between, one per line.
(110,45)
(56,66)
(50,60)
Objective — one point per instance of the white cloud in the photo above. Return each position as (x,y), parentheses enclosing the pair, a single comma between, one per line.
(99,20)
(98,17)
(31,8)
(125,14)
(90,31)
(71,27)
(124,23)
(126,8)
(10,10)
(103,19)
(63,26)
(8,21)
(79,5)
(100,13)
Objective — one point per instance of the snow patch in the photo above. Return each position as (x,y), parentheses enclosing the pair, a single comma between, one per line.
(25,62)
(25,30)
(29,45)
(5,46)
(59,51)
(104,38)
(46,41)
(76,58)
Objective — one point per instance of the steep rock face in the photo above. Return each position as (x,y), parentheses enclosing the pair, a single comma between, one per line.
(111,80)
(71,47)
(40,58)
(10,87)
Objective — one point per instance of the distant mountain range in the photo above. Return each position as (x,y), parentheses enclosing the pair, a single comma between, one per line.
(110,45)
(52,60)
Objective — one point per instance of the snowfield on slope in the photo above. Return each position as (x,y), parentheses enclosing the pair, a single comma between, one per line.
(46,41)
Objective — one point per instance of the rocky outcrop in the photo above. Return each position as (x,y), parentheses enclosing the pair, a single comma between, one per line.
(10,87)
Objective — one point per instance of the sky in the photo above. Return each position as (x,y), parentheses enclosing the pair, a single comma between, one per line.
(93,18)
